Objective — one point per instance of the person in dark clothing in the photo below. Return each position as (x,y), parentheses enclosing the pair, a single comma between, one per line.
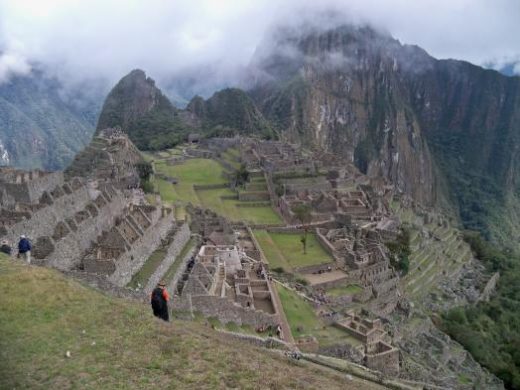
(159,302)
(6,248)
(24,249)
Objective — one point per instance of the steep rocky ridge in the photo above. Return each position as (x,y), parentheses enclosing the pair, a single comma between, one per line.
(139,107)
(231,108)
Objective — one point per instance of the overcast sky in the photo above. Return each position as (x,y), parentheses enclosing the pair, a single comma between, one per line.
(87,39)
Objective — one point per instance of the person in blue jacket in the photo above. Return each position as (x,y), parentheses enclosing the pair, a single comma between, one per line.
(24,249)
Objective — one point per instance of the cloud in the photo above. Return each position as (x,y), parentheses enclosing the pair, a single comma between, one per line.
(104,39)
(12,64)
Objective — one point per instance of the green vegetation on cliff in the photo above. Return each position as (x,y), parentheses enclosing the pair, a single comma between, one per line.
(490,331)
(43,125)
(228,112)
(143,112)
(117,343)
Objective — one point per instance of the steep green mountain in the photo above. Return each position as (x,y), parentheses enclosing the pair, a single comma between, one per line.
(230,108)
(41,124)
(143,112)
(444,132)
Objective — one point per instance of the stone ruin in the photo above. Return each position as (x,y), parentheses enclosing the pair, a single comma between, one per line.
(361,255)
(332,187)
(110,156)
(210,226)
(137,230)
(378,353)
(224,284)
(64,218)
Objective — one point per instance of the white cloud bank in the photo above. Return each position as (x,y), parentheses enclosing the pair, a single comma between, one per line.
(89,39)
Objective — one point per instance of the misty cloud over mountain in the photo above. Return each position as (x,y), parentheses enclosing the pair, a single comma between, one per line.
(201,46)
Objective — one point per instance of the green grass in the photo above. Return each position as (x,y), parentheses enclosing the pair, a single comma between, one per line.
(300,314)
(350,289)
(205,171)
(304,321)
(148,268)
(228,207)
(231,156)
(285,250)
(271,251)
(170,273)
(117,344)
(194,171)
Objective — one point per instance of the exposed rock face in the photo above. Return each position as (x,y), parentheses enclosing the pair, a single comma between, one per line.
(231,108)
(346,94)
(438,129)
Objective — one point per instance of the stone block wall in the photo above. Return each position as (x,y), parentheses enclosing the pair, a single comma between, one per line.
(43,221)
(131,262)
(326,244)
(30,191)
(71,248)
(386,361)
(490,287)
(226,311)
(253,196)
(181,238)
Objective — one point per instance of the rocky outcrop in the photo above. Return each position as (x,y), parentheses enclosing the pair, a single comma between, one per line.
(139,107)
(230,108)
(110,156)
(134,96)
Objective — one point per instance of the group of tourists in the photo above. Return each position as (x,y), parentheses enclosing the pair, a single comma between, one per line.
(24,248)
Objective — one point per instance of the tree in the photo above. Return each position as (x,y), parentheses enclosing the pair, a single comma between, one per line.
(144,170)
(400,251)
(303,213)
(242,175)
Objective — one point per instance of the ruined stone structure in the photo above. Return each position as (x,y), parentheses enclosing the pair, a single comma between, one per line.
(60,217)
(362,255)
(378,353)
(111,156)
(210,226)
(221,283)
(121,251)
(331,186)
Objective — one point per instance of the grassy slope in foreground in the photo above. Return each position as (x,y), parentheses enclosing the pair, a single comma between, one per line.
(116,343)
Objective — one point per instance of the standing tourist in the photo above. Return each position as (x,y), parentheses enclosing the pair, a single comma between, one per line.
(159,301)
(24,249)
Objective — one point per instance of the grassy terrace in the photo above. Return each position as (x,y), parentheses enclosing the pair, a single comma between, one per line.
(304,321)
(231,156)
(203,172)
(117,343)
(350,289)
(228,207)
(285,250)
(300,314)
(148,268)
(193,171)
(170,273)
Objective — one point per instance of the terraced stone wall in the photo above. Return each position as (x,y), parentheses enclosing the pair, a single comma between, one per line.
(131,261)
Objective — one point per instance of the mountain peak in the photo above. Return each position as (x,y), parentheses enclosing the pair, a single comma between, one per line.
(140,108)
